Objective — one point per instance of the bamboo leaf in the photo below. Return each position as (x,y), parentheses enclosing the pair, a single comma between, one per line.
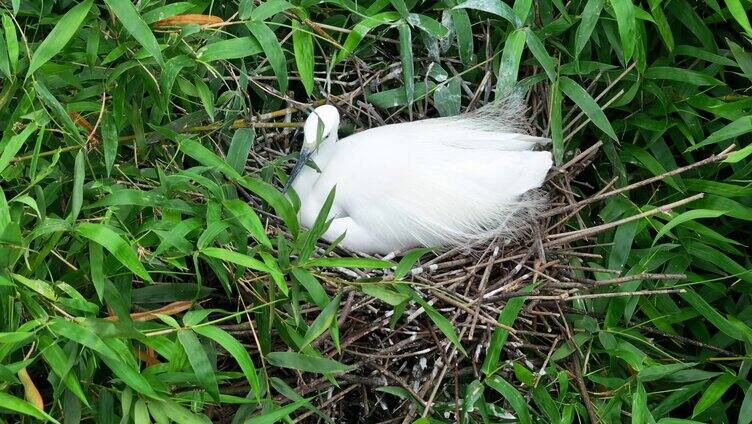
(199,362)
(135,25)
(306,363)
(302,43)
(60,35)
(578,95)
(114,244)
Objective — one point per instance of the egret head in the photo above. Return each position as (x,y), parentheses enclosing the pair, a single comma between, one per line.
(320,127)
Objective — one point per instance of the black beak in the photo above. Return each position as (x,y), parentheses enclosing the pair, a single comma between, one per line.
(305,153)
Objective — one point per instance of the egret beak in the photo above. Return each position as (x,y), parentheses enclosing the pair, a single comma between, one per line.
(305,153)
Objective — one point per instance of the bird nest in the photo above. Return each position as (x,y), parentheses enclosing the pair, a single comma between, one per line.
(514,299)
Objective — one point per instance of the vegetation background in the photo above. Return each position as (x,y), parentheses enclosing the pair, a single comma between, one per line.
(151,270)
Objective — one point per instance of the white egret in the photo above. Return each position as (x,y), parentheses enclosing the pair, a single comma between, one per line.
(436,182)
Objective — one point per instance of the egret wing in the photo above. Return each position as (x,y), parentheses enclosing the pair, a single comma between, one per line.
(436,187)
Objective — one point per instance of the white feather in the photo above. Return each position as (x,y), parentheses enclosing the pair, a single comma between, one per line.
(436,182)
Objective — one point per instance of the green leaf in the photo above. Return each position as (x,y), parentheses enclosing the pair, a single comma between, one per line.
(348,263)
(555,119)
(22,407)
(268,9)
(322,322)
(277,414)
(441,322)
(240,148)
(110,140)
(318,228)
(680,75)
(739,155)
(236,258)
(59,364)
(234,48)
(740,15)
(640,412)
(199,362)
(14,144)
(507,317)
(237,350)
(513,396)
(132,22)
(428,24)
(180,414)
(706,310)
(406,58)
(381,292)
(121,362)
(306,363)
(166,11)
(311,284)
(745,410)
(578,95)
(60,35)
(96,262)
(739,127)
(5,65)
(360,30)
(510,61)
(687,216)
(41,287)
(273,50)
(408,260)
(495,7)
(464,33)
(448,98)
(58,111)
(205,95)
(77,195)
(275,199)
(267,192)
(114,244)
(401,7)
(11,42)
(302,43)
(713,393)
(248,218)
(662,24)
(541,55)
(625,20)
(656,372)
(589,19)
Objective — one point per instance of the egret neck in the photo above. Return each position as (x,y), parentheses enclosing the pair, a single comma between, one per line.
(319,134)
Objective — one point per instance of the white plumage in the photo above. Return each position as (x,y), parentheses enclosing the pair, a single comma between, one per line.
(436,182)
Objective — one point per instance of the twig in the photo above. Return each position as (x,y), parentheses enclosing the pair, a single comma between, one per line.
(583,390)
(567,297)
(711,159)
(627,278)
(586,232)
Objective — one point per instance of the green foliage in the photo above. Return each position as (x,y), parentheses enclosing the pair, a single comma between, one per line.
(124,211)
